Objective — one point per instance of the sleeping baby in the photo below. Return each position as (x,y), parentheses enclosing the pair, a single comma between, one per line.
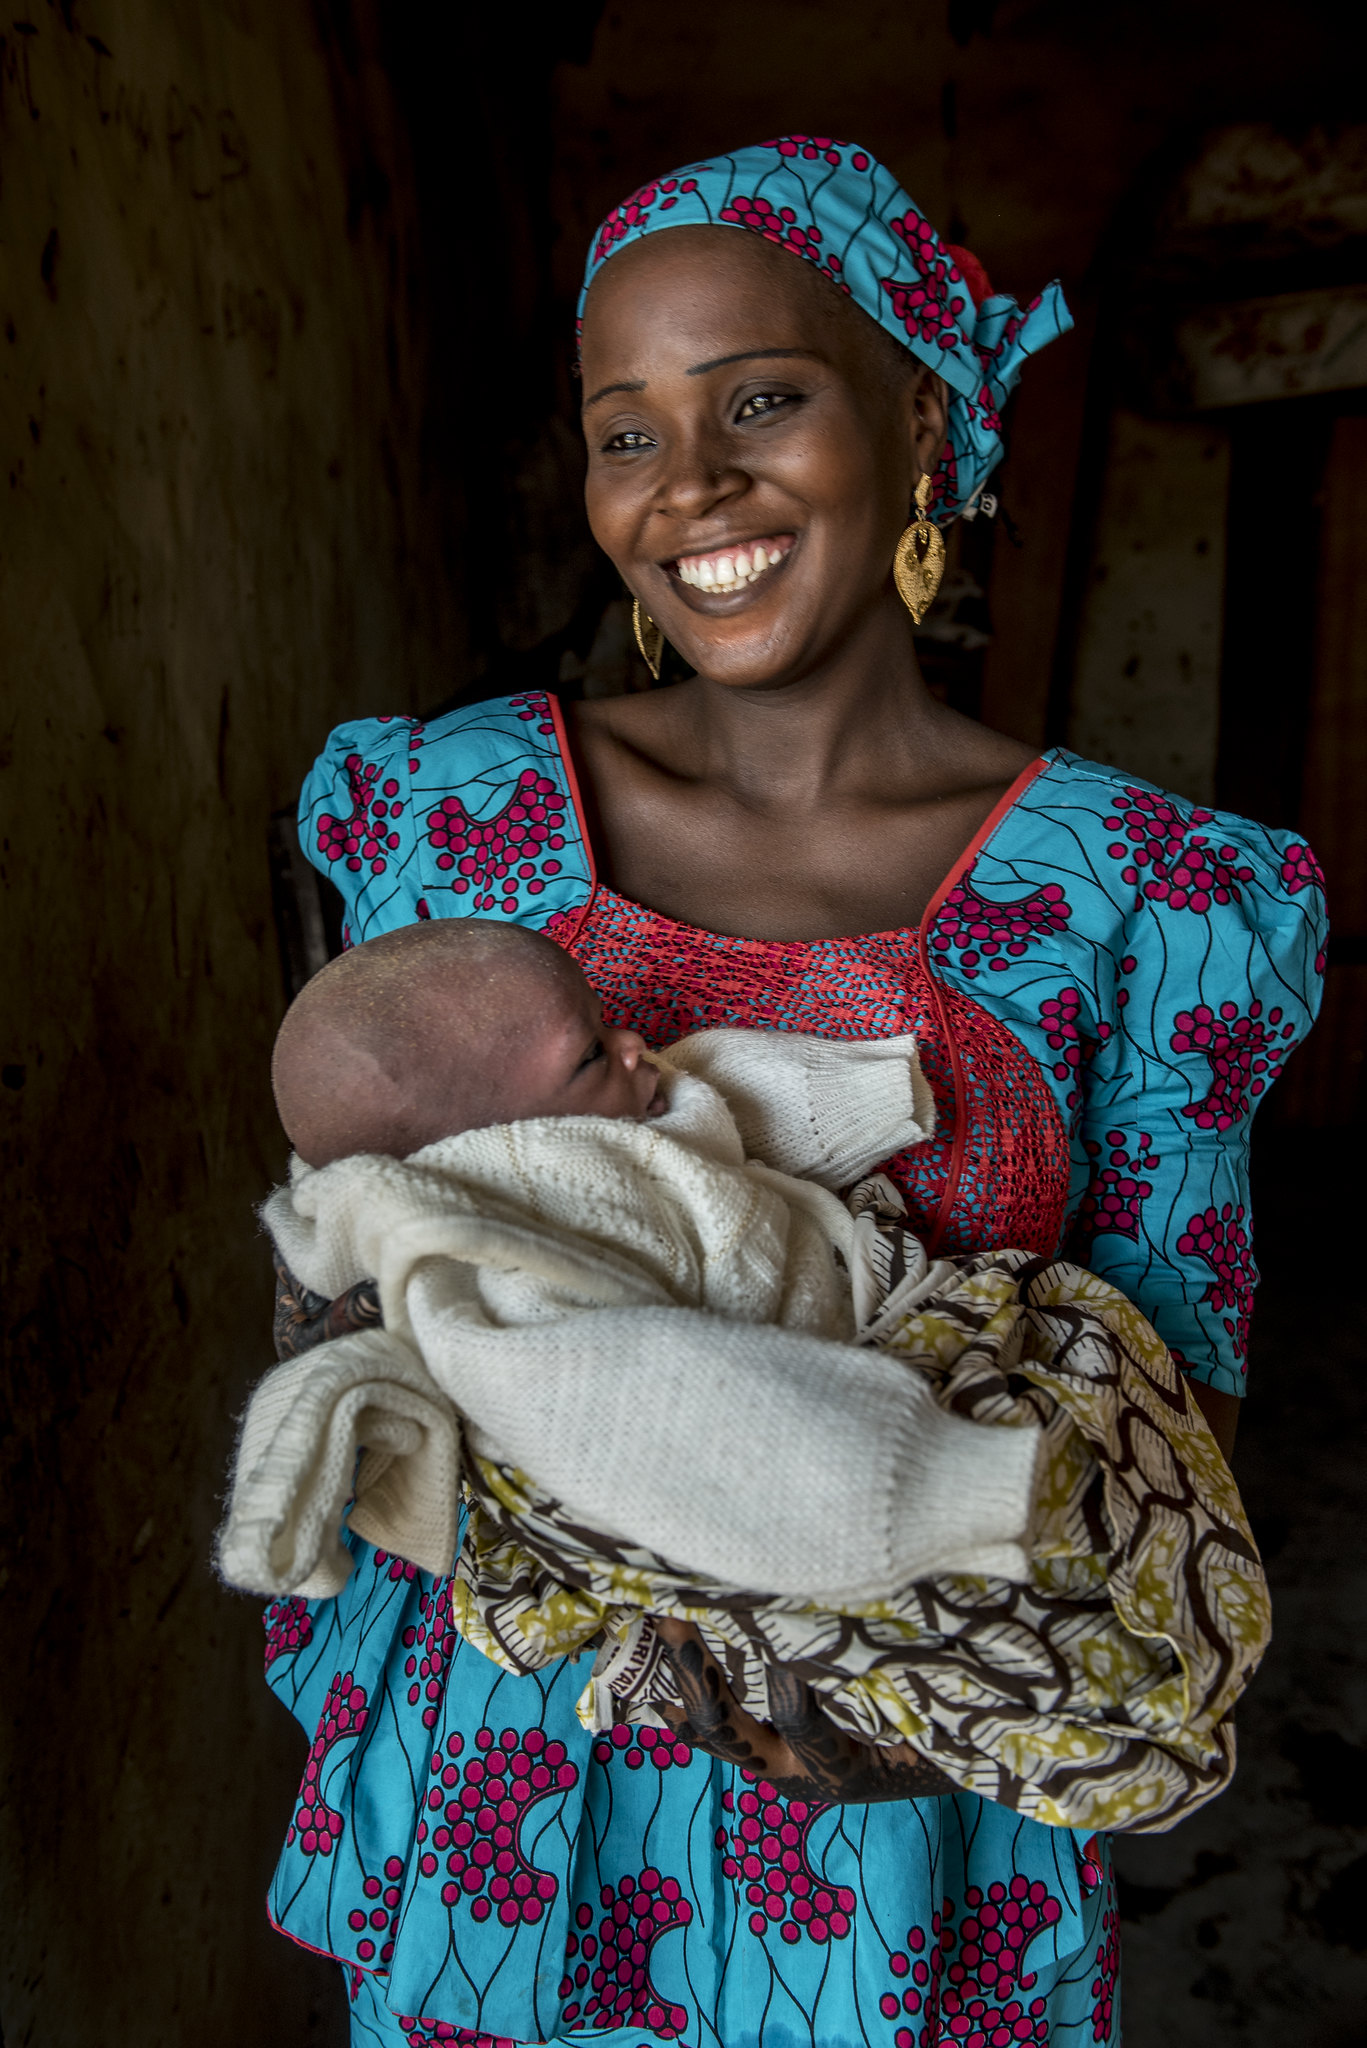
(639,1359)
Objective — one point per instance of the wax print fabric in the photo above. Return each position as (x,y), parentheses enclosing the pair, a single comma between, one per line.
(1101,991)
(1096,1693)
(836,207)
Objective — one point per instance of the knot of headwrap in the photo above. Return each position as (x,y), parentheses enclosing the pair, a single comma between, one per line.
(836,207)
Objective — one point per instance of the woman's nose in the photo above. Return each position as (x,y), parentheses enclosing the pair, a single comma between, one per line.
(700,475)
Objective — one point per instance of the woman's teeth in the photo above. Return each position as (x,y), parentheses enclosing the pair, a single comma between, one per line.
(731,571)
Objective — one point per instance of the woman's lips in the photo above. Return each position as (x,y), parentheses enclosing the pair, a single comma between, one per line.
(721,572)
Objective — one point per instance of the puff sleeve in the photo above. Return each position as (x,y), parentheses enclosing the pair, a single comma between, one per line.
(473,814)
(1213,978)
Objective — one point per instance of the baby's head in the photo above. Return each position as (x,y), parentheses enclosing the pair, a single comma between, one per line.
(445,1027)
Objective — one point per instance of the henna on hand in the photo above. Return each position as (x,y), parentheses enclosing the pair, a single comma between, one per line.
(802,1753)
(303,1319)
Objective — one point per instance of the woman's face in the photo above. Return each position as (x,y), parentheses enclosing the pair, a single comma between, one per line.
(753,445)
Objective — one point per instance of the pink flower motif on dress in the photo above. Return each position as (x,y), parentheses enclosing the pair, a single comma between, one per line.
(1246,1053)
(635,1747)
(1058,1016)
(1106,1981)
(473,1818)
(1091,1869)
(368,834)
(813,146)
(288,1628)
(427,2033)
(1218,1238)
(967,1985)
(1168,860)
(996,933)
(394,1568)
(316,1825)
(533,708)
(766,1848)
(518,849)
(375,1922)
(1117,1190)
(1300,870)
(607,1974)
(429,1649)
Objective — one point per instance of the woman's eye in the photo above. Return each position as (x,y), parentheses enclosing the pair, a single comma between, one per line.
(764,402)
(628,443)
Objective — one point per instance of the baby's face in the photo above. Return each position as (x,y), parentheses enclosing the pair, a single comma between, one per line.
(566,1062)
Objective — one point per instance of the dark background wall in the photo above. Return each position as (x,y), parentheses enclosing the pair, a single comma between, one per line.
(287,422)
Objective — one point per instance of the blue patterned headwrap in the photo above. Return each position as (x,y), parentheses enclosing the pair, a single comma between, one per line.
(834,205)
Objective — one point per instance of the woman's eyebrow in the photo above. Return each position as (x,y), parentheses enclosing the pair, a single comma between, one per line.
(746,355)
(608,390)
(751,355)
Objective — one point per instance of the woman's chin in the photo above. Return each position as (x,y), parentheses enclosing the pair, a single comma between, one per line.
(771,662)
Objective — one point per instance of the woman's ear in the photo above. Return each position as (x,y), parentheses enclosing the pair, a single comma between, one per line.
(929,421)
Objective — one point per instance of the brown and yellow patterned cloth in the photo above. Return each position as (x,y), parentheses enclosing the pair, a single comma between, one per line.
(1099,1694)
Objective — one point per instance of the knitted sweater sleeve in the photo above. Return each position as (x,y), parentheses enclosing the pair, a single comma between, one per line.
(826,1109)
(741,1452)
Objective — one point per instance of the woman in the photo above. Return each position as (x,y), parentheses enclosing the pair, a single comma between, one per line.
(1102,980)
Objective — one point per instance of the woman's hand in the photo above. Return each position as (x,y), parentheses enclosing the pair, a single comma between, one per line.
(801,1753)
(303,1319)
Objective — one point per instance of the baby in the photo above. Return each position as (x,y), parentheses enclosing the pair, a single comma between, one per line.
(442,1028)
(741,1401)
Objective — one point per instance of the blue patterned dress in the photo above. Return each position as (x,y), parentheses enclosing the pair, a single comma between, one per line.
(1102,988)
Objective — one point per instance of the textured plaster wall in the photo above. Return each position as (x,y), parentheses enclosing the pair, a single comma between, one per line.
(1146,690)
(213,544)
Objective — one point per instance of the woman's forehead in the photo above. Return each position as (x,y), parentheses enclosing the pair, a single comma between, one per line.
(710,288)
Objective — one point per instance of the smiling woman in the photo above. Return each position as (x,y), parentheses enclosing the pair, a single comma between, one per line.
(783,367)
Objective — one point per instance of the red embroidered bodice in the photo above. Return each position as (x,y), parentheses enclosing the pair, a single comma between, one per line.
(996,1171)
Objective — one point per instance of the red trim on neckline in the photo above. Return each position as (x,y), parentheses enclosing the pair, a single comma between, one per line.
(1006,802)
(562,740)
(960,868)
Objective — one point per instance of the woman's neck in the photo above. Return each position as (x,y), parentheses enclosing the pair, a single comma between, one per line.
(862,721)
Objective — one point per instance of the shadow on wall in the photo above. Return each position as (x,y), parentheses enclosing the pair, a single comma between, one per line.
(217,539)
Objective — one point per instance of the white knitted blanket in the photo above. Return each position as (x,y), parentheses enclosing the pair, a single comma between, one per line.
(626,1312)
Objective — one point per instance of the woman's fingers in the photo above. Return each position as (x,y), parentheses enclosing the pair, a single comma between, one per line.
(837,1766)
(799,1750)
(713,1719)
(303,1319)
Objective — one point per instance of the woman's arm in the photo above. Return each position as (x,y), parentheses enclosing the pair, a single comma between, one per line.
(1221,1412)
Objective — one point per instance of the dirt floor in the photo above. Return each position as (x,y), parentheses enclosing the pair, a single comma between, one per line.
(1248,1925)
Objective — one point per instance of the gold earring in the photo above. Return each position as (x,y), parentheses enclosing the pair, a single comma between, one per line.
(919,562)
(650,639)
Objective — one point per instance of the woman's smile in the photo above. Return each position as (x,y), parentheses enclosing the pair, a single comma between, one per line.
(713,579)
